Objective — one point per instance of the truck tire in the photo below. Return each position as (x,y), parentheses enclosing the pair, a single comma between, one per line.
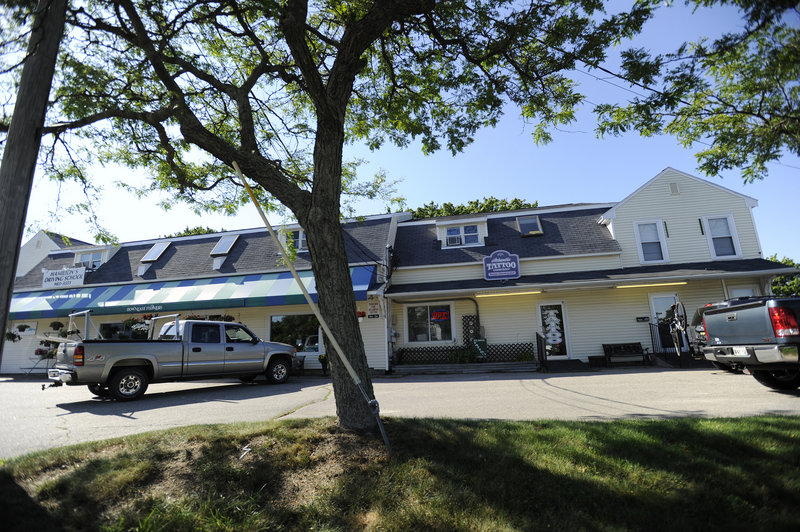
(127,384)
(278,370)
(99,390)
(786,379)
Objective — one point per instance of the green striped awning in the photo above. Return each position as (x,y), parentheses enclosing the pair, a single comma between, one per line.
(260,290)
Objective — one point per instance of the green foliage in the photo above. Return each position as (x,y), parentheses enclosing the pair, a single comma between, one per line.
(182,89)
(740,92)
(490,204)
(190,231)
(786,285)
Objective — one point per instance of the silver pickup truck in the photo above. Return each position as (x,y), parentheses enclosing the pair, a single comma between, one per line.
(759,334)
(182,350)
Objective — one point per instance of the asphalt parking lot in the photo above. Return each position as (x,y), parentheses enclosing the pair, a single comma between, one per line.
(33,419)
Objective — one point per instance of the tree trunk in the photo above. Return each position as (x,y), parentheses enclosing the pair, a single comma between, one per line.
(338,307)
(23,140)
(332,274)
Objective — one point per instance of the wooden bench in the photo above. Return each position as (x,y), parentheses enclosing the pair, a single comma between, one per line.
(626,352)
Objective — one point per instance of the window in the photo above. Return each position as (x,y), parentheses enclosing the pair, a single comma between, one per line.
(205,333)
(224,245)
(238,334)
(651,242)
(722,238)
(462,235)
(155,252)
(298,239)
(91,259)
(529,225)
(429,323)
(294,329)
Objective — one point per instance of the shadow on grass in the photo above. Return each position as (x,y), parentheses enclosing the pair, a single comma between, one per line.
(686,474)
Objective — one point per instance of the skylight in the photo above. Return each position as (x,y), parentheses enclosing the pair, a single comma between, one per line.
(529,225)
(224,245)
(155,252)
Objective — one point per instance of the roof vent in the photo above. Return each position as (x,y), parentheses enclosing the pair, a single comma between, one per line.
(674,189)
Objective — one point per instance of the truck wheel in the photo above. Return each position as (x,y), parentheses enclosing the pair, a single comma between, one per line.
(278,371)
(99,390)
(127,384)
(787,379)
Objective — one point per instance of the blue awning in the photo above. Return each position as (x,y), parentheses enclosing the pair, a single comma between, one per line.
(259,290)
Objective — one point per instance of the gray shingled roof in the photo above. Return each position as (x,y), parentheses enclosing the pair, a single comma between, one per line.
(189,257)
(65,241)
(565,233)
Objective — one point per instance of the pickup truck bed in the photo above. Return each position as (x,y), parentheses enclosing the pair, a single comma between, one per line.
(759,334)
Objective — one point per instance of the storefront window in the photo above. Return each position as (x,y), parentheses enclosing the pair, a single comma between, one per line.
(429,323)
(295,329)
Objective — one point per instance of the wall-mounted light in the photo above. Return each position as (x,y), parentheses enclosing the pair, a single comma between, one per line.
(531,292)
(649,285)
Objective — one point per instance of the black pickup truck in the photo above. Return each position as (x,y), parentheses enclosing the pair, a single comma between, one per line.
(759,334)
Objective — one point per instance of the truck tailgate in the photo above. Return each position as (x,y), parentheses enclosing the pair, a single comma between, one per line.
(745,324)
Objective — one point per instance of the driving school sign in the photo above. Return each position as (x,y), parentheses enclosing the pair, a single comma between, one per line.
(501,265)
(63,278)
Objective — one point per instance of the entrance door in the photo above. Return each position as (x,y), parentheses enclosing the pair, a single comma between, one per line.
(660,307)
(553,326)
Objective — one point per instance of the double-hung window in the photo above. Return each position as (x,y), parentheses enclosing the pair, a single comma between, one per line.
(652,245)
(722,239)
(462,235)
(298,239)
(429,323)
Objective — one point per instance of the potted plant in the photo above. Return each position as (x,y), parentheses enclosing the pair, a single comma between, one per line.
(56,325)
(11,336)
(361,315)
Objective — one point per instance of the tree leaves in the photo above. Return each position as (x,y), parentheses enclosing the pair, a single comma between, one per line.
(738,95)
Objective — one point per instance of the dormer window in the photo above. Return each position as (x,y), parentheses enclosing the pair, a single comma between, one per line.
(221,250)
(529,225)
(91,260)
(462,235)
(298,240)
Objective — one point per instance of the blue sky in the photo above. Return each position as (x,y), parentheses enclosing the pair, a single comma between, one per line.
(502,162)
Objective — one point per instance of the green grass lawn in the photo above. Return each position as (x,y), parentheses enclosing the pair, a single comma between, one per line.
(685,474)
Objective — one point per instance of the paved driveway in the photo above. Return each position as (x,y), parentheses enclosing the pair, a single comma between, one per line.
(32,419)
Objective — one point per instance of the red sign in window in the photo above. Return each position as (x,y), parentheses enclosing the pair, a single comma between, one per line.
(440,315)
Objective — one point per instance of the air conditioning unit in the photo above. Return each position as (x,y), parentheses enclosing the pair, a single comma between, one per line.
(454,240)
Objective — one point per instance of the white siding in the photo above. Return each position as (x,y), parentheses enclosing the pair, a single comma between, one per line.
(682,214)
(527,267)
(20,357)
